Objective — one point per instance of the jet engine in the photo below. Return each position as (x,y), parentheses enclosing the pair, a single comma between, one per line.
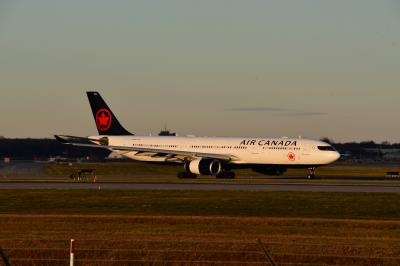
(267,170)
(204,167)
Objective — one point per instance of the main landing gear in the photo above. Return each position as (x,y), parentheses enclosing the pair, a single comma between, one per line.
(226,174)
(222,174)
(311,174)
(186,175)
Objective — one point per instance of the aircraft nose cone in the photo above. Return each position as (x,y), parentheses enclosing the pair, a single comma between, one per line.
(335,156)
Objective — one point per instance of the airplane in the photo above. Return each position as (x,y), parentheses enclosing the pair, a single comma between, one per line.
(212,156)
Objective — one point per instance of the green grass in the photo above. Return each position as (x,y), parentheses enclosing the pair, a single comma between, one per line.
(115,169)
(199,203)
(200,238)
(297,227)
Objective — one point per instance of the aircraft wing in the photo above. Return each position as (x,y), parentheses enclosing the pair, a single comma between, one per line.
(103,143)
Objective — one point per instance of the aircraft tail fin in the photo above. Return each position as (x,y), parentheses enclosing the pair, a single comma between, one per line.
(106,122)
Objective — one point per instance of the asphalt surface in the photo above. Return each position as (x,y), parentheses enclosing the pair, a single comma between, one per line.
(204,187)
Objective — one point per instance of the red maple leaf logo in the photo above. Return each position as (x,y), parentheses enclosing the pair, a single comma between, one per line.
(103,119)
(291,156)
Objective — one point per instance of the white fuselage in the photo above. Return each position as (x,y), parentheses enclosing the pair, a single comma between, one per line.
(269,151)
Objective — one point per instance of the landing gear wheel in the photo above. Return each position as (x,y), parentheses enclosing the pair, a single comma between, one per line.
(231,175)
(226,174)
(311,174)
(186,175)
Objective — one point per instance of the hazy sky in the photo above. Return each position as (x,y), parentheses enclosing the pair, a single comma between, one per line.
(313,68)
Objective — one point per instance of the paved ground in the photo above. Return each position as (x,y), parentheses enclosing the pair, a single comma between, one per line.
(210,186)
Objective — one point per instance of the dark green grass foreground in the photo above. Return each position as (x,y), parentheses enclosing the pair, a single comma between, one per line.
(218,203)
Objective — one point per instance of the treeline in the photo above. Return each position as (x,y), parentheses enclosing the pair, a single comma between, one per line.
(367,149)
(38,149)
(362,145)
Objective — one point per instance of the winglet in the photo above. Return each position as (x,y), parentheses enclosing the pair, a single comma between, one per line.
(61,139)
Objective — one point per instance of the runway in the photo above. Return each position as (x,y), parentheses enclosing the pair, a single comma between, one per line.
(204,187)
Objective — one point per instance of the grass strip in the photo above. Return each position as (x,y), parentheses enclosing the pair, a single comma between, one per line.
(200,203)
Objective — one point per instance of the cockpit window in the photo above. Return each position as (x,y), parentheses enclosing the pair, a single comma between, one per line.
(326,148)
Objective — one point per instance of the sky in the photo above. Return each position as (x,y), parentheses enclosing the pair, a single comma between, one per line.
(310,68)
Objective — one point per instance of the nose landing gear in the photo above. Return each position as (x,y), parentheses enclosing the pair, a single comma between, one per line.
(311,174)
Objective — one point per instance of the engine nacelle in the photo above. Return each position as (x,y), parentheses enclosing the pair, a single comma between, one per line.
(266,170)
(204,167)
